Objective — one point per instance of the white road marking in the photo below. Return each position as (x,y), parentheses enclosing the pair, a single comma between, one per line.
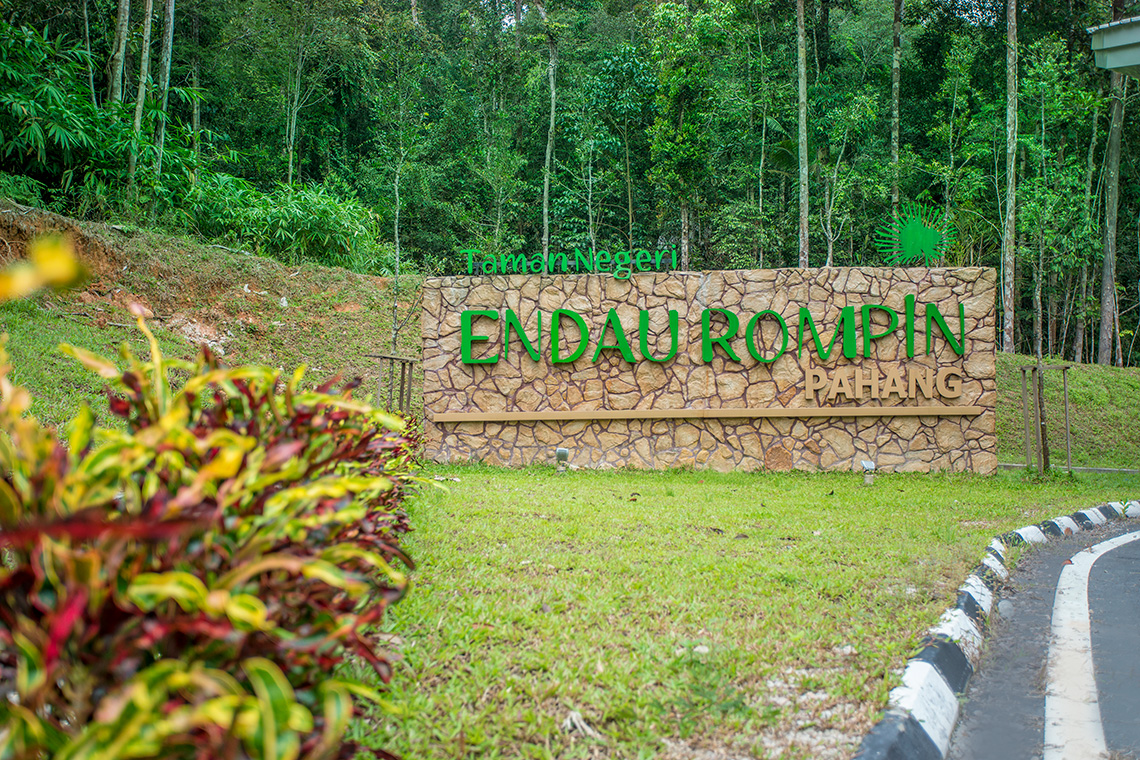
(1073,729)
(1031,534)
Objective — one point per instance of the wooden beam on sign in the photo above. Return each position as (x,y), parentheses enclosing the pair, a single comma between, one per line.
(724,413)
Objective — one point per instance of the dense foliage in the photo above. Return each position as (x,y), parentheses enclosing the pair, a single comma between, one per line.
(187,587)
(430,122)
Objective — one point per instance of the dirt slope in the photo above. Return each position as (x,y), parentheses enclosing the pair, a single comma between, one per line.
(248,308)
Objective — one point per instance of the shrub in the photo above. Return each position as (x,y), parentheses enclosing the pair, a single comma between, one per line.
(186,587)
(307,222)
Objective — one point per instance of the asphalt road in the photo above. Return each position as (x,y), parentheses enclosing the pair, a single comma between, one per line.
(1004,715)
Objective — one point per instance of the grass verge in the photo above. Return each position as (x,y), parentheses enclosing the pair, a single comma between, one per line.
(1103,415)
(678,612)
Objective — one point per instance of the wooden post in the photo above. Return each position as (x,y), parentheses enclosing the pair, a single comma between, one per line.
(1068,442)
(408,399)
(1037,420)
(391,377)
(403,381)
(1025,416)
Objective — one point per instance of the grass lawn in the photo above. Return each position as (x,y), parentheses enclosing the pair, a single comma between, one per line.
(59,384)
(742,615)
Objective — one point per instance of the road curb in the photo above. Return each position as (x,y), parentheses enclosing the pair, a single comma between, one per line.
(924,709)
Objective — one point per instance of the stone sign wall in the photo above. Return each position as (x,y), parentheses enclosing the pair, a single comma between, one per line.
(893,366)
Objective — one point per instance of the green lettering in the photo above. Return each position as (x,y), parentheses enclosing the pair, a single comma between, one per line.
(910,327)
(958,346)
(512,263)
(623,261)
(707,340)
(613,321)
(869,336)
(643,332)
(846,326)
(512,322)
(555,323)
(644,260)
(583,263)
(467,336)
(471,254)
(750,336)
(603,261)
(554,261)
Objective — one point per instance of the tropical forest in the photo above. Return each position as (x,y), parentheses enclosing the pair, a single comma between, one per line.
(391,136)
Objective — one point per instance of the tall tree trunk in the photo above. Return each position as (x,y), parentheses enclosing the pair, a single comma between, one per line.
(1009,228)
(552,72)
(294,109)
(1051,311)
(196,108)
(823,36)
(1090,171)
(801,75)
(87,42)
(827,207)
(896,63)
(628,187)
(763,145)
(163,91)
(1079,338)
(140,96)
(685,233)
(396,239)
(416,21)
(1116,321)
(1112,202)
(118,53)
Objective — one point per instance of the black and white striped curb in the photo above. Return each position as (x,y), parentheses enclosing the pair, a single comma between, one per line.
(923,711)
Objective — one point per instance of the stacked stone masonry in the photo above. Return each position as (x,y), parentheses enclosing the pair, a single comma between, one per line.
(517,383)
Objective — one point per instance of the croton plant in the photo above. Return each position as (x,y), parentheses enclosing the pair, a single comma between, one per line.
(187,586)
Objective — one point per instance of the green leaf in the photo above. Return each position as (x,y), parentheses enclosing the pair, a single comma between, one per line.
(31,672)
(336,702)
(248,613)
(148,590)
(79,431)
(276,702)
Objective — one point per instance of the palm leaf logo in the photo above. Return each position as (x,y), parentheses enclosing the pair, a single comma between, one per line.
(916,233)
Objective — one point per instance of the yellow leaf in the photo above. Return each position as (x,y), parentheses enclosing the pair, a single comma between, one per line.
(97,364)
(54,260)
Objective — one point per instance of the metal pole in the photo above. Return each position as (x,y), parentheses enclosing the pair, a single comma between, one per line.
(1068,443)
(1025,417)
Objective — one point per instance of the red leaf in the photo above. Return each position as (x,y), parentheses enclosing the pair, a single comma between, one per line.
(62,623)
